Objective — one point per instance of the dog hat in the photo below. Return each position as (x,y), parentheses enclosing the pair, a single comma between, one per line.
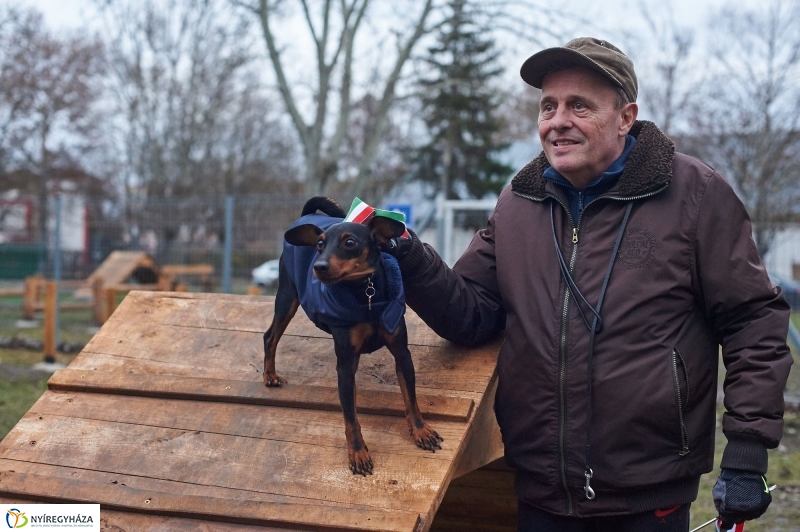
(362,213)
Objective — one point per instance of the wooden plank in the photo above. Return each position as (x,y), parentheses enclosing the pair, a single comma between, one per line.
(481,501)
(296,516)
(115,269)
(254,314)
(12,292)
(439,407)
(34,285)
(212,352)
(365,380)
(49,323)
(118,521)
(105,479)
(251,421)
(187,269)
(306,472)
(484,443)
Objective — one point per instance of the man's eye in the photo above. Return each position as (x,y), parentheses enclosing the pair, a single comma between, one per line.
(579,106)
(547,109)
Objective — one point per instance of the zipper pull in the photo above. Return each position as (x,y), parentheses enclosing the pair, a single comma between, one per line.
(574,235)
(587,488)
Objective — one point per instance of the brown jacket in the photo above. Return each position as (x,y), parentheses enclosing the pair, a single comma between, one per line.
(686,279)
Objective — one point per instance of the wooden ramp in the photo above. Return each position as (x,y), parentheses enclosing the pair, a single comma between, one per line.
(163,419)
(115,270)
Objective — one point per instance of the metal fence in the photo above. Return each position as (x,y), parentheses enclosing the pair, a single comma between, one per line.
(234,234)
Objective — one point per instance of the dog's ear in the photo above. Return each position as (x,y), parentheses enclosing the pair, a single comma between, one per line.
(303,235)
(384,229)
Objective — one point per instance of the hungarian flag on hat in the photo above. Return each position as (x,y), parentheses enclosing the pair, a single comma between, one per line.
(361,213)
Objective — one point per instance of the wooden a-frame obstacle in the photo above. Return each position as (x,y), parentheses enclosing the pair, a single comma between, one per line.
(163,419)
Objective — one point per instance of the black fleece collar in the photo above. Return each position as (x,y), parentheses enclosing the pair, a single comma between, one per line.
(648,169)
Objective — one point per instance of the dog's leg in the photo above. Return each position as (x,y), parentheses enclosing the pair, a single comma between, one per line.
(424,436)
(286,305)
(348,343)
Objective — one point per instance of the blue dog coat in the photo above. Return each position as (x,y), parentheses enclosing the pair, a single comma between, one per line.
(335,305)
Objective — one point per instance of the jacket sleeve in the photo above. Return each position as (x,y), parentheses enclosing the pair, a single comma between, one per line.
(750,319)
(462,304)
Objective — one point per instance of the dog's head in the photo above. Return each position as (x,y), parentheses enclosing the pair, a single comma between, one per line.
(347,251)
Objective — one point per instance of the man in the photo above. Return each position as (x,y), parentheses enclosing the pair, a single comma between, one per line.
(616,267)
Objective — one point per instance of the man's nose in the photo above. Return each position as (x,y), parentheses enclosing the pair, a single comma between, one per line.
(561,118)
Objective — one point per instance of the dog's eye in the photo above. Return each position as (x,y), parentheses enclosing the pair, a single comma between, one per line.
(349,243)
(320,244)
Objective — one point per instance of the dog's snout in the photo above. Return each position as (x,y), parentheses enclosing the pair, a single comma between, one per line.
(321,267)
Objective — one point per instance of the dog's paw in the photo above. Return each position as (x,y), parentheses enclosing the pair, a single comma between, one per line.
(360,462)
(273,379)
(426,438)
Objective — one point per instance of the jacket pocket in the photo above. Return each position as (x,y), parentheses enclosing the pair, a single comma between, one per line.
(681,383)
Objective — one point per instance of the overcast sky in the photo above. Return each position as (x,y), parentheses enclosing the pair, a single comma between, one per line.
(615,15)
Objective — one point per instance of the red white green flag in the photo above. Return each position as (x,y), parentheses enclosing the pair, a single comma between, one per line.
(361,213)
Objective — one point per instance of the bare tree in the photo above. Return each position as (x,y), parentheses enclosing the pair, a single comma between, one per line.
(749,121)
(175,68)
(334,28)
(49,90)
(195,119)
(667,94)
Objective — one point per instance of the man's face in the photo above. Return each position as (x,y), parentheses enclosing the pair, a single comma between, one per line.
(581,131)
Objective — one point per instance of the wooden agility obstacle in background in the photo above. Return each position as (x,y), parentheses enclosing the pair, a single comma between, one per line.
(116,269)
(163,419)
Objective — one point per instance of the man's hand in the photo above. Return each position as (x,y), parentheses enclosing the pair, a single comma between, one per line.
(740,496)
(399,247)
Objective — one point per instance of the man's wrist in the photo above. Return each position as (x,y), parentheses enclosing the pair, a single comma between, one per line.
(745,452)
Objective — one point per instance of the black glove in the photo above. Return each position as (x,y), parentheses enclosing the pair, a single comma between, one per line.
(740,496)
(399,246)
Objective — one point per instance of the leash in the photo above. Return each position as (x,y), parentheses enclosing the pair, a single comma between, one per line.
(594,328)
(740,529)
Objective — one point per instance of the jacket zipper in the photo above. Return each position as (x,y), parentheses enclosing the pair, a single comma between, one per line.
(562,421)
(676,355)
(562,388)
(562,371)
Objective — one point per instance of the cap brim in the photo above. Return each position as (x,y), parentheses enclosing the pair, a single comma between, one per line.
(541,63)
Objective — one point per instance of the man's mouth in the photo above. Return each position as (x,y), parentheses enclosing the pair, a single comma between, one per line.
(564,142)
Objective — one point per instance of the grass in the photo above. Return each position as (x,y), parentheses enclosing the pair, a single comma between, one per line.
(16,398)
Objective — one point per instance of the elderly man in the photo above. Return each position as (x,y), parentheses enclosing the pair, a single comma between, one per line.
(617,268)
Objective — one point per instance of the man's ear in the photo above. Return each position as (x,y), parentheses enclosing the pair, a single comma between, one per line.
(384,229)
(629,114)
(303,235)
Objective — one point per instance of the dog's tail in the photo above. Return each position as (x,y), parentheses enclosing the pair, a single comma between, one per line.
(326,205)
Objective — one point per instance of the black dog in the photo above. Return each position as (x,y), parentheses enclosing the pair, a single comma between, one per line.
(348,288)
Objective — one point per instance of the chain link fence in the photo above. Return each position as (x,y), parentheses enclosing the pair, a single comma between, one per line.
(81,232)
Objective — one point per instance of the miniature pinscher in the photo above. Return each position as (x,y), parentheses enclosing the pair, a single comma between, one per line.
(336,271)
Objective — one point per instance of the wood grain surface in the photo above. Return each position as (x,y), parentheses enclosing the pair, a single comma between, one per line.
(163,419)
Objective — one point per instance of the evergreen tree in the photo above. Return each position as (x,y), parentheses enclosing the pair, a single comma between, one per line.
(459,110)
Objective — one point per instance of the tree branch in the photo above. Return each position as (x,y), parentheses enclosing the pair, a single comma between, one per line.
(283,85)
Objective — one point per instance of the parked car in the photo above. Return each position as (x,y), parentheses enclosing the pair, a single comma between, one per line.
(266,275)
(790,288)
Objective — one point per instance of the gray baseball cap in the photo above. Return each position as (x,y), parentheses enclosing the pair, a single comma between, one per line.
(600,56)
